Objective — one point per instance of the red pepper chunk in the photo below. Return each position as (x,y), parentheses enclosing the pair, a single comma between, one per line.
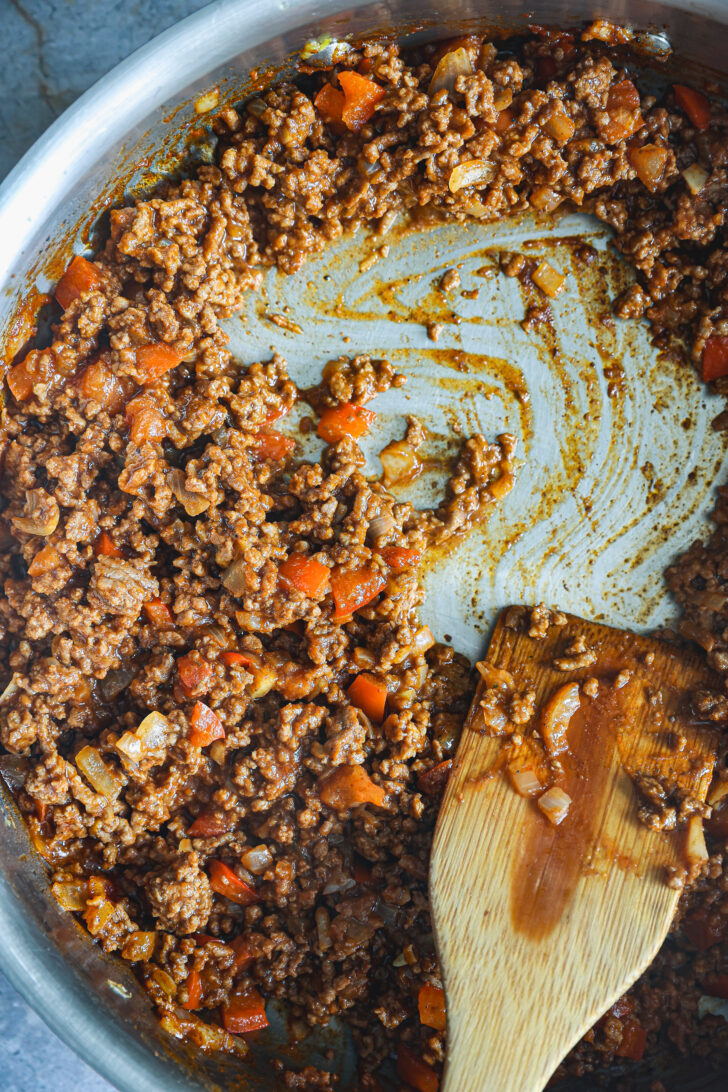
(715,358)
(158,614)
(361,98)
(155,360)
(330,104)
(243,955)
(354,588)
(634,1041)
(104,546)
(400,558)
(369,695)
(431,1006)
(273,445)
(194,673)
(345,420)
(205,726)
(695,105)
(244,1012)
(416,1072)
(208,826)
(232,659)
(305,574)
(224,881)
(347,786)
(81,276)
(193,987)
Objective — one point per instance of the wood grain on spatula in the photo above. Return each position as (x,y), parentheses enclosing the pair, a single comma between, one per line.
(540,928)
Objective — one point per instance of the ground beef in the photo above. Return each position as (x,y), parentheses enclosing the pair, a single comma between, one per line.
(186,604)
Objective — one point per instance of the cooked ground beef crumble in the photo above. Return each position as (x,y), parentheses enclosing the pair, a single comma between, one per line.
(230,728)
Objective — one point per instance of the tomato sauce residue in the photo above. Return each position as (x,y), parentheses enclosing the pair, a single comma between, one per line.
(551,859)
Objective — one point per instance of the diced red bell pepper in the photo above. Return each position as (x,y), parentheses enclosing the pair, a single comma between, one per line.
(361,98)
(416,1072)
(369,695)
(244,958)
(104,546)
(155,360)
(244,1012)
(695,105)
(345,420)
(273,445)
(431,1006)
(715,358)
(205,726)
(194,991)
(230,659)
(225,882)
(158,614)
(45,561)
(194,673)
(208,825)
(433,782)
(633,1042)
(305,574)
(353,589)
(400,558)
(81,276)
(97,383)
(330,104)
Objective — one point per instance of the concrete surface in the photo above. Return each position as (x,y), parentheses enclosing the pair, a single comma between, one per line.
(52,51)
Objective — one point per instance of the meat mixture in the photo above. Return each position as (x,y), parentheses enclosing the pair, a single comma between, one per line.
(225,723)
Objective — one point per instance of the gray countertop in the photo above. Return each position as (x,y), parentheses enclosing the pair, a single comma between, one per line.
(54,50)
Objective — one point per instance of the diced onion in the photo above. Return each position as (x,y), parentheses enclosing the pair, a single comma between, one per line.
(151,736)
(139,947)
(71,894)
(555,804)
(164,981)
(11,689)
(43,514)
(695,177)
(264,679)
(548,279)
(495,676)
(696,851)
(97,915)
(379,529)
(545,199)
(193,503)
(649,163)
(235,579)
(102,777)
(400,462)
(560,126)
(256,860)
(208,101)
(474,172)
(453,64)
(524,780)
(557,713)
(423,640)
(322,928)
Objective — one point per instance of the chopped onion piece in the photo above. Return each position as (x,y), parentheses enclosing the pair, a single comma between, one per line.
(545,199)
(548,279)
(235,579)
(102,777)
(495,676)
(423,640)
(153,731)
(71,894)
(554,804)
(400,462)
(164,981)
(264,679)
(322,928)
(556,715)
(474,172)
(379,529)
(208,101)
(193,503)
(256,860)
(695,177)
(139,946)
(453,64)
(649,164)
(524,780)
(560,126)
(42,516)
(11,689)
(696,851)
(712,1006)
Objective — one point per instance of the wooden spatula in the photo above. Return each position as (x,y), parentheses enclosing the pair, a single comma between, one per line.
(541,927)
